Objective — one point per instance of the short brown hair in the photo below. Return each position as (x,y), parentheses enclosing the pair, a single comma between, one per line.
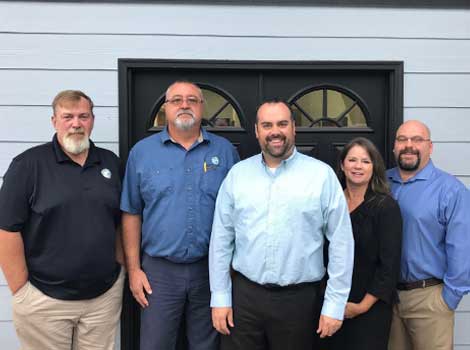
(72,96)
(378,182)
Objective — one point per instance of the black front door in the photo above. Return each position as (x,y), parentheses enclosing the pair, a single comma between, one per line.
(333,102)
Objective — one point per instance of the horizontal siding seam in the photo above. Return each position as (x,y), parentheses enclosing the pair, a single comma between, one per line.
(244,36)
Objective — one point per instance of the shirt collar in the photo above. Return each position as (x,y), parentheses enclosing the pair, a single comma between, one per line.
(61,156)
(203,136)
(423,174)
(284,161)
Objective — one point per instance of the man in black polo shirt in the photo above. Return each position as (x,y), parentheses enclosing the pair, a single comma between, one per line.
(59,214)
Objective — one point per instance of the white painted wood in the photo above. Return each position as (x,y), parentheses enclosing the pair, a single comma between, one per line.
(421,90)
(33,123)
(233,20)
(102,51)
(9,150)
(33,87)
(5,304)
(8,339)
(452,157)
(446,124)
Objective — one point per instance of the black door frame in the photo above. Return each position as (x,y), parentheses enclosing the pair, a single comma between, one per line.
(127,68)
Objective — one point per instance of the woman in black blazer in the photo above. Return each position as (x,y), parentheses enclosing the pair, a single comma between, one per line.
(377,229)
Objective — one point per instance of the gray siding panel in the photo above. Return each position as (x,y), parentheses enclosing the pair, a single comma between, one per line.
(8,338)
(437,90)
(33,123)
(38,87)
(462,335)
(233,20)
(450,156)
(5,304)
(446,124)
(58,51)
(421,90)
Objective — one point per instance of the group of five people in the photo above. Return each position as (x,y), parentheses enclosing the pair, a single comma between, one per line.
(228,246)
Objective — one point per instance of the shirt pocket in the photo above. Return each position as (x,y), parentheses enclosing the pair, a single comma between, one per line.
(157,184)
(212,178)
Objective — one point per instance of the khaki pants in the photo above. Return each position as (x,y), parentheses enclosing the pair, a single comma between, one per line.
(45,323)
(422,321)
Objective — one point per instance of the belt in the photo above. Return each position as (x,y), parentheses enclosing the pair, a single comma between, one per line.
(419,284)
(277,287)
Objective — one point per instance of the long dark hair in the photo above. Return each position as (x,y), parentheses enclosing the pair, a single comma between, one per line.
(378,182)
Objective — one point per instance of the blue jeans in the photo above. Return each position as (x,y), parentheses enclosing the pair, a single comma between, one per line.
(178,290)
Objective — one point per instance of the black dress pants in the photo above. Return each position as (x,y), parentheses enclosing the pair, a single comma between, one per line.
(271,318)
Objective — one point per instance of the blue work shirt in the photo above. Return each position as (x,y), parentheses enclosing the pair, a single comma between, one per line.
(436,229)
(174,190)
(274,226)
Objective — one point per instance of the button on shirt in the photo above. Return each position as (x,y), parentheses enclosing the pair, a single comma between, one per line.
(273,224)
(436,229)
(174,190)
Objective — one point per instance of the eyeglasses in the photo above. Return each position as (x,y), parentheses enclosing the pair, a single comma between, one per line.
(178,101)
(415,140)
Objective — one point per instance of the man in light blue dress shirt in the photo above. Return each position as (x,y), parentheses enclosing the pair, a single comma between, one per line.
(435,267)
(272,215)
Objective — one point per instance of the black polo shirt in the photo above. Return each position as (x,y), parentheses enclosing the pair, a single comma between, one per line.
(67,216)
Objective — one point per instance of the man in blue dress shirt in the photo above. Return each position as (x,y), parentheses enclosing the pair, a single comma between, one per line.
(435,267)
(272,214)
(169,192)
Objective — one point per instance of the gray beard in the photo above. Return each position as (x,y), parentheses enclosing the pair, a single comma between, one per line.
(76,147)
(185,124)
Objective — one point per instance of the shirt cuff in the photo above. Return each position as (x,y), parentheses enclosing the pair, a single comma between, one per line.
(452,300)
(333,310)
(221,299)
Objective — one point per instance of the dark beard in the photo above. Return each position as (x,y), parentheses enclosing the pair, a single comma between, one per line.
(406,166)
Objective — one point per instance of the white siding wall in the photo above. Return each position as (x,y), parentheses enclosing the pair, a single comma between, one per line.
(47,47)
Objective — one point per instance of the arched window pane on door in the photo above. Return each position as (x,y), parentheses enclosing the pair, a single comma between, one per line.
(219,110)
(328,107)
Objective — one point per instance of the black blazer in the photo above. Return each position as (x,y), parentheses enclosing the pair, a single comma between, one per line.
(377,229)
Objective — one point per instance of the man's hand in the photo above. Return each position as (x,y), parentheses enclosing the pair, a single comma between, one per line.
(220,317)
(139,283)
(328,326)
(353,309)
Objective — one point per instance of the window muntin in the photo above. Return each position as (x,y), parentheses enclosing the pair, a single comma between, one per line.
(321,107)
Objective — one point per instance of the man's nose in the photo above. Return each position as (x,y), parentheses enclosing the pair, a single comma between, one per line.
(76,122)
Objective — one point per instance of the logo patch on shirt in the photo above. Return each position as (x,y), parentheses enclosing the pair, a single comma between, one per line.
(106,173)
(215,160)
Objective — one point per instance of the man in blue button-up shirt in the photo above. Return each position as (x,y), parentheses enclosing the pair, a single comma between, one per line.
(169,191)
(272,215)
(435,267)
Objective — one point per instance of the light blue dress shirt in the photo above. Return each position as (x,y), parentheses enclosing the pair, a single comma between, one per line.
(271,228)
(436,229)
